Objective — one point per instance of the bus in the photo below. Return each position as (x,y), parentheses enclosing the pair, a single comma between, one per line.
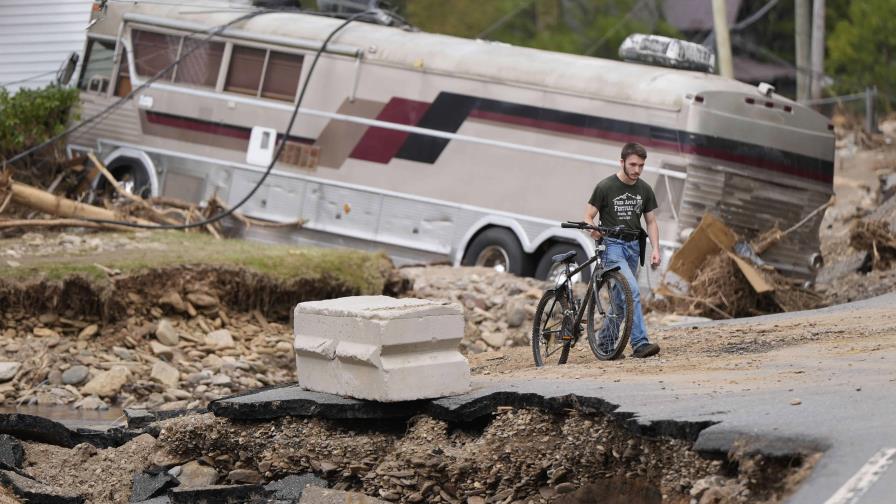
(436,148)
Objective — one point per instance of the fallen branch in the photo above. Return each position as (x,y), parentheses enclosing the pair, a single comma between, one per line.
(50,223)
(699,300)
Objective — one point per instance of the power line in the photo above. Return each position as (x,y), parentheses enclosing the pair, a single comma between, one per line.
(26,79)
(612,30)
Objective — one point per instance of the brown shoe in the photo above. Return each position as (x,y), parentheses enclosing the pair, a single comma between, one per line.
(646,350)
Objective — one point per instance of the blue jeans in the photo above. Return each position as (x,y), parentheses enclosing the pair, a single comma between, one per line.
(626,255)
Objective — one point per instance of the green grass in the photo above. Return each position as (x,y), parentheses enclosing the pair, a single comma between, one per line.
(282,262)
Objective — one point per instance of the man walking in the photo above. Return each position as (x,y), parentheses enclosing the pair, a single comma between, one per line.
(621,199)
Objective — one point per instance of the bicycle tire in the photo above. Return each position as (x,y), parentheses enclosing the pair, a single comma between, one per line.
(619,331)
(543,341)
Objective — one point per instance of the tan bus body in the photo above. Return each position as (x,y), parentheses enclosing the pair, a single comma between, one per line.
(420,144)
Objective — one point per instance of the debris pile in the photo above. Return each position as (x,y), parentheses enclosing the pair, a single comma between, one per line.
(878,239)
(498,307)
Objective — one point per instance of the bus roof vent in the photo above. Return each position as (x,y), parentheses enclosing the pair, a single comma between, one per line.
(667,52)
(379,12)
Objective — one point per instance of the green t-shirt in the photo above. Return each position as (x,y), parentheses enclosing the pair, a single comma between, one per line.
(619,203)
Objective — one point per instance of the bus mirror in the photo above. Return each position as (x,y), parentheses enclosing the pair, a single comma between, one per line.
(67,69)
(261,146)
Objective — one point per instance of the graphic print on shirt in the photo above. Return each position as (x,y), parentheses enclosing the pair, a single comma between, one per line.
(628,206)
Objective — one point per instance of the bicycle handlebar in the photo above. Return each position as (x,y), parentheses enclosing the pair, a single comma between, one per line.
(616,230)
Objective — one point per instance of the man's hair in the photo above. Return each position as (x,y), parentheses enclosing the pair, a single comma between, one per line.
(633,148)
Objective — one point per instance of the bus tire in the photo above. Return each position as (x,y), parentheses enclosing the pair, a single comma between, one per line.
(496,248)
(547,269)
(131,175)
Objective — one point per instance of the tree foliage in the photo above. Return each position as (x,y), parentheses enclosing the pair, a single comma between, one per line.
(31,116)
(862,48)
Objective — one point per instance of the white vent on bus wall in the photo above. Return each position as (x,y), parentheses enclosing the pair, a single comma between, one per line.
(667,52)
(261,146)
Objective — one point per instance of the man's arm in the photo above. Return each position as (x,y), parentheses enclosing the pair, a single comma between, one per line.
(653,232)
(590,215)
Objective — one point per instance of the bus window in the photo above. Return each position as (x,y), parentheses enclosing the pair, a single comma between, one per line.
(201,66)
(244,75)
(153,52)
(281,79)
(97,68)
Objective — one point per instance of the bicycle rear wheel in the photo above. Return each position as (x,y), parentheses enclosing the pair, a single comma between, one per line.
(610,309)
(548,329)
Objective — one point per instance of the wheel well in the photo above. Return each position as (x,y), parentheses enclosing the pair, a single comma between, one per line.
(528,267)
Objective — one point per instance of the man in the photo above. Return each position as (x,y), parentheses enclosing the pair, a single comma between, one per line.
(621,199)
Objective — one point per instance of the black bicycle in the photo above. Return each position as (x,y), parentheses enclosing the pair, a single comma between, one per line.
(608,302)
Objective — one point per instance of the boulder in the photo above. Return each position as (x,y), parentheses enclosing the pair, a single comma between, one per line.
(220,339)
(75,375)
(165,373)
(195,475)
(8,370)
(166,333)
(107,383)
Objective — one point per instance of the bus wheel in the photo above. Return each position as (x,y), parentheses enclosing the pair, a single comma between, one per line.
(496,248)
(132,179)
(550,271)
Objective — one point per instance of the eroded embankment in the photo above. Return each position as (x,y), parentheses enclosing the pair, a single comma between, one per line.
(236,288)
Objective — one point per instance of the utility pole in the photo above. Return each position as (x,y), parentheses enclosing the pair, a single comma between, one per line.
(817,48)
(723,39)
(803,39)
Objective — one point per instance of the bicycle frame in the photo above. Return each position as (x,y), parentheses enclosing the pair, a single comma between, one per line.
(599,271)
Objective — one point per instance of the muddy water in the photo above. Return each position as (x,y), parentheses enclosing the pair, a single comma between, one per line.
(70,417)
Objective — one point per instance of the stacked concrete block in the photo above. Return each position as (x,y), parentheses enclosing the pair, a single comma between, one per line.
(381,348)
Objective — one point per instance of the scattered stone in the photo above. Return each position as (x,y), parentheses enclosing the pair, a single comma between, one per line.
(219,494)
(316,495)
(88,332)
(172,299)
(11,451)
(42,332)
(796,402)
(166,333)
(75,375)
(148,485)
(48,318)
(165,374)
(213,362)
(196,475)
(292,486)
(244,476)
(8,370)
(564,488)
(220,339)
(516,314)
(160,350)
(202,300)
(494,340)
(107,383)
(91,403)
(34,491)
(54,377)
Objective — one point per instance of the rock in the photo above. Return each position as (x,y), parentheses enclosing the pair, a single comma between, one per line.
(284,347)
(516,314)
(148,485)
(796,402)
(202,300)
(123,353)
(475,499)
(42,332)
(221,380)
(212,361)
(292,486)
(564,488)
(88,332)
(195,475)
(700,486)
(34,491)
(75,375)
(172,299)
(11,451)
(55,377)
(165,374)
(48,318)
(160,350)
(166,333)
(8,370)
(315,495)
(107,383)
(36,428)
(495,340)
(91,403)
(219,494)
(244,476)
(220,339)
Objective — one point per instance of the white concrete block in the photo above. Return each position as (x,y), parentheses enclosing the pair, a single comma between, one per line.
(381,348)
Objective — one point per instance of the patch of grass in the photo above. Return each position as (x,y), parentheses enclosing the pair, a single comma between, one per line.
(141,251)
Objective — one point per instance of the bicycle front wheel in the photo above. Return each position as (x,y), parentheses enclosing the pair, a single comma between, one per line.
(610,307)
(548,329)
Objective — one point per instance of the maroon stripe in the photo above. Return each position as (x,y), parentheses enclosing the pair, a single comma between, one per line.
(379,145)
(716,153)
(573,129)
(209,127)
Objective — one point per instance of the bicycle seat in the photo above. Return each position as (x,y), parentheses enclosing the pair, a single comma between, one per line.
(567,257)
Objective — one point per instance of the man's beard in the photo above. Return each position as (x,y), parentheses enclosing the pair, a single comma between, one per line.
(628,175)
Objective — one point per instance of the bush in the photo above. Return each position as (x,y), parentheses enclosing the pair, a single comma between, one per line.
(31,116)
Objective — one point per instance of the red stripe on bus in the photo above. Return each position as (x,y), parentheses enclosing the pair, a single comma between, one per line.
(379,145)
(197,125)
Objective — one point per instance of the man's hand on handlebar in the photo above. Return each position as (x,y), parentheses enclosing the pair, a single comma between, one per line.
(596,234)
